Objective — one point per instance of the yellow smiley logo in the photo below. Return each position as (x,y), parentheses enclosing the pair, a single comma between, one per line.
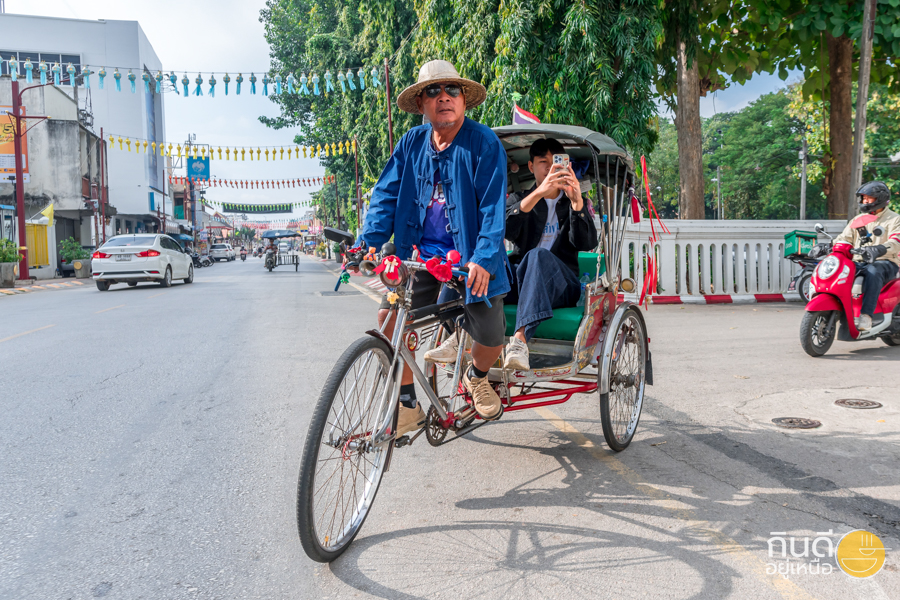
(860,554)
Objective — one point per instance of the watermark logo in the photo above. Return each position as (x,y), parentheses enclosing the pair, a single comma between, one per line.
(860,554)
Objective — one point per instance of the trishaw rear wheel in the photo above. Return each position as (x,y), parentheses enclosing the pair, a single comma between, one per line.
(341,467)
(620,408)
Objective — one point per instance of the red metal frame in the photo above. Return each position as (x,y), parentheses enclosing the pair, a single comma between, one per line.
(533,400)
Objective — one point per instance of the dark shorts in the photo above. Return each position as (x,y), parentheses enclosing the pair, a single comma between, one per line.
(487,326)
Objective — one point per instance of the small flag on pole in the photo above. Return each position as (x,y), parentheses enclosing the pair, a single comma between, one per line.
(521,116)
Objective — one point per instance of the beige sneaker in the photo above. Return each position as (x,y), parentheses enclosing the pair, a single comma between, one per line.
(410,419)
(864,323)
(487,402)
(517,355)
(447,351)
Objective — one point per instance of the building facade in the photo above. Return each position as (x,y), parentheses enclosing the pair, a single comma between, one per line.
(136,182)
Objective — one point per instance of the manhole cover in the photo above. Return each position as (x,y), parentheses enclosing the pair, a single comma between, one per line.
(796,423)
(856,403)
(340,293)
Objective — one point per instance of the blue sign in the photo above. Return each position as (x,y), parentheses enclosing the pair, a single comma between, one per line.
(198,168)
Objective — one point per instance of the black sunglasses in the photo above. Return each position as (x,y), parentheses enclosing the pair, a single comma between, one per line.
(433,91)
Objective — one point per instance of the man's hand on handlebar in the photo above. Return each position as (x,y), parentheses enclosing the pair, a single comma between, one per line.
(478,279)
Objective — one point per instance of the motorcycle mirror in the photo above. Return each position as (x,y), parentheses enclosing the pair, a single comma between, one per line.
(819,228)
(878,231)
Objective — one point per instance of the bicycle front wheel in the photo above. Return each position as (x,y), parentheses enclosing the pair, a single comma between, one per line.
(341,467)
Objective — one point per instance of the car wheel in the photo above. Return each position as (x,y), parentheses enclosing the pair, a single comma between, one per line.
(102,285)
(190,277)
(167,278)
(132,284)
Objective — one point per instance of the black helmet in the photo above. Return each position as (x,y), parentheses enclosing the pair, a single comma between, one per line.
(877,190)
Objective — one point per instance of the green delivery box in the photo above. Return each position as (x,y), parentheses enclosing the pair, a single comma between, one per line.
(799,242)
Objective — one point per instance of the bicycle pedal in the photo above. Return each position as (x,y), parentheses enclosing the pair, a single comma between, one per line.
(402,441)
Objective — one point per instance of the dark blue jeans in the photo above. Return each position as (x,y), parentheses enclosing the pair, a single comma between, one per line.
(543,282)
(874,278)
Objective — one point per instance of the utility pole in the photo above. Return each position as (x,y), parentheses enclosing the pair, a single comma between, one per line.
(356,168)
(803,156)
(102,193)
(387,87)
(862,98)
(719,190)
(18,135)
(337,202)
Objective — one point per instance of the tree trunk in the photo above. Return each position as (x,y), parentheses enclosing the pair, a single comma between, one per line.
(690,143)
(840,58)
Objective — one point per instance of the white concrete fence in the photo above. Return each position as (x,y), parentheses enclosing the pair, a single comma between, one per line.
(738,259)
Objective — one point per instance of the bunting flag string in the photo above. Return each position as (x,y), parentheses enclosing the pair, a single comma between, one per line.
(243,184)
(355,79)
(142,146)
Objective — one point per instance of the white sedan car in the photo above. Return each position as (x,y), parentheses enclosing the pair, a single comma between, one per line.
(139,257)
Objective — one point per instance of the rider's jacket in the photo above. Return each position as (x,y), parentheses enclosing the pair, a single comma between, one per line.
(473,173)
(890,222)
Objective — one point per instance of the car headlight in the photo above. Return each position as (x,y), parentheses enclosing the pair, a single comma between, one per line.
(827,267)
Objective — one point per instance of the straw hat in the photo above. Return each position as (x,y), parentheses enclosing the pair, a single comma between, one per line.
(440,71)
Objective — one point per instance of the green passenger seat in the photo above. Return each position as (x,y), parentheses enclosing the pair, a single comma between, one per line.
(566,321)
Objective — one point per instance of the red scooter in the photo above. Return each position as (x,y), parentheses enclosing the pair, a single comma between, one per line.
(833,308)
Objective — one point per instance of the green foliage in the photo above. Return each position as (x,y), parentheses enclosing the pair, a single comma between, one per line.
(246,232)
(70,250)
(757,152)
(802,45)
(9,251)
(315,35)
(588,63)
(662,165)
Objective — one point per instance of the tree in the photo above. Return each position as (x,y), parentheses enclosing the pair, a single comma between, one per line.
(705,46)
(586,63)
(820,42)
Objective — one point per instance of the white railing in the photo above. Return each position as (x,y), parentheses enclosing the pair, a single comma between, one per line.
(699,258)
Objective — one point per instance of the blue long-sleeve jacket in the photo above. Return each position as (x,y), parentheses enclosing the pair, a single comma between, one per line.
(473,173)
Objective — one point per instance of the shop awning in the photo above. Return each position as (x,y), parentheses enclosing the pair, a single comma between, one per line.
(181,237)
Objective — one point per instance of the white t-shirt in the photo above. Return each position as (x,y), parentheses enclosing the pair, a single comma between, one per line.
(551,227)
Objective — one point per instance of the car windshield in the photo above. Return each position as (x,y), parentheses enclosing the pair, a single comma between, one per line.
(218,246)
(130,240)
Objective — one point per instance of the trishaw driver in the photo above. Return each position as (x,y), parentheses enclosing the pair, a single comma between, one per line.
(444,188)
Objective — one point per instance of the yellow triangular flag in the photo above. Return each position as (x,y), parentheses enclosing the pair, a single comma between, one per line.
(48,212)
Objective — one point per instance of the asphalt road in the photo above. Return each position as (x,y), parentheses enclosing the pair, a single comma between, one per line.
(151,440)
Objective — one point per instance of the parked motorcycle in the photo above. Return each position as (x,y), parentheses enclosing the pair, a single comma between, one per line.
(801,282)
(833,309)
(270,259)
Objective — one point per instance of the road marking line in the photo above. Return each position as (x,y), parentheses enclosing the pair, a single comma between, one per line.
(155,295)
(787,589)
(110,308)
(7,292)
(37,287)
(53,285)
(12,337)
(77,283)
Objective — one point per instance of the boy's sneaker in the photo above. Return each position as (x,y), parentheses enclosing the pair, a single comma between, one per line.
(517,355)
(864,323)
(447,351)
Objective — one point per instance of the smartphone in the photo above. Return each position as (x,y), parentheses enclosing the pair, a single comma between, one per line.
(561,159)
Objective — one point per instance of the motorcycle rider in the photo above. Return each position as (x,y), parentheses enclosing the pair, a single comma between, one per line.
(878,262)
